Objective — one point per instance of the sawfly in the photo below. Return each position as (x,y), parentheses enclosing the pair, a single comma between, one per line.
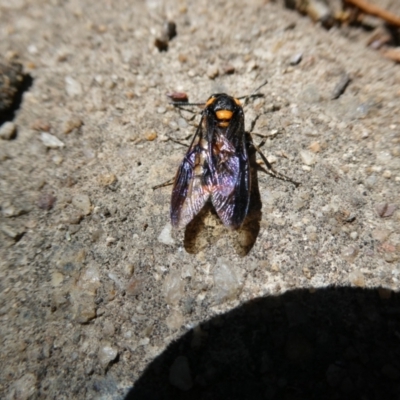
(216,166)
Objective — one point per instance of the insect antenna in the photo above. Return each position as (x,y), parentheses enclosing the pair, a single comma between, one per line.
(253,94)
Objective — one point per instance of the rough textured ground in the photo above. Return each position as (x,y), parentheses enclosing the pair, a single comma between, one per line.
(94,285)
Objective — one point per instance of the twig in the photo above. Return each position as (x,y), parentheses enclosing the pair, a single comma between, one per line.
(376,11)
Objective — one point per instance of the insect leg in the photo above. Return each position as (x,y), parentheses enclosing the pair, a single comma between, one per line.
(167,183)
(271,171)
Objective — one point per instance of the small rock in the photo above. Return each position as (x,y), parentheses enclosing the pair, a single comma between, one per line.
(134,286)
(150,136)
(296,59)
(107,354)
(354,235)
(46,201)
(212,72)
(108,328)
(8,131)
(41,126)
(107,179)
(357,278)
(83,295)
(57,159)
(174,320)
(173,288)
(161,110)
(387,174)
(8,210)
(51,141)
(71,124)
(226,281)
(307,157)
(180,375)
(165,235)
(82,201)
(370,181)
(72,87)
(350,253)
(10,232)
(56,279)
(315,147)
(385,210)
(182,123)
(229,69)
(341,86)
(25,387)
(381,234)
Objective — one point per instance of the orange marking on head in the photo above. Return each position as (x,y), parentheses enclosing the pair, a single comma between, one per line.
(210,101)
(224,114)
(238,103)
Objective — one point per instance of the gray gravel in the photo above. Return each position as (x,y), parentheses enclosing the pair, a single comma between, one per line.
(94,283)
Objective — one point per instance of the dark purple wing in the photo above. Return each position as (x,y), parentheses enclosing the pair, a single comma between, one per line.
(192,182)
(231,181)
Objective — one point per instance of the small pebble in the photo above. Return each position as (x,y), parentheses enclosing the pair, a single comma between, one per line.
(107,179)
(174,320)
(212,72)
(354,235)
(8,210)
(387,174)
(357,278)
(10,232)
(165,235)
(173,288)
(296,59)
(227,284)
(25,387)
(46,201)
(385,210)
(57,159)
(82,202)
(71,124)
(315,147)
(182,123)
(307,157)
(107,354)
(180,375)
(229,69)
(51,141)
(350,253)
(161,110)
(8,131)
(370,181)
(41,126)
(341,86)
(56,279)
(72,87)
(381,234)
(150,136)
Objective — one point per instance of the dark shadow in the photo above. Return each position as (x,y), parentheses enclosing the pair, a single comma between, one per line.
(333,343)
(15,89)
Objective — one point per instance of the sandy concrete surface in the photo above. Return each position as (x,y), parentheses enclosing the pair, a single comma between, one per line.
(94,282)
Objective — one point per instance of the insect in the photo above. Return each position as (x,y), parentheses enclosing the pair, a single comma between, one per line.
(216,166)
